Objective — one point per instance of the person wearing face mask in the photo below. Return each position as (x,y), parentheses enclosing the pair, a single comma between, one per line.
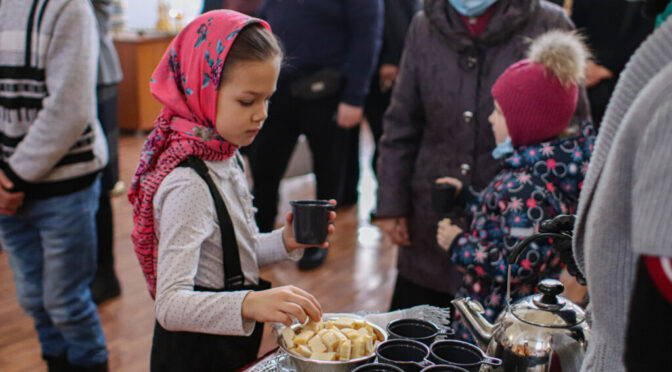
(437,126)
(542,175)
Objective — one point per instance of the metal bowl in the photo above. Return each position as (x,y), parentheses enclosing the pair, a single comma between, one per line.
(300,363)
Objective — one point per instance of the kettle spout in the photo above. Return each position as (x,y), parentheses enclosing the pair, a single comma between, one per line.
(472,317)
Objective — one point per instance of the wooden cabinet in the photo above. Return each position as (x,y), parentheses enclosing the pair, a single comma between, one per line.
(139,55)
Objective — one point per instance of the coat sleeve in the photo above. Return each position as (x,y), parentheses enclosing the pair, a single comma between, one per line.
(365,31)
(651,203)
(483,251)
(403,125)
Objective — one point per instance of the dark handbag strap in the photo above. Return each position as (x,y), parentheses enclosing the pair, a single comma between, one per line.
(233,275)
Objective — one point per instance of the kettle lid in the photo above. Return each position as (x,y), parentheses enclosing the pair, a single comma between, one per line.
(548,308)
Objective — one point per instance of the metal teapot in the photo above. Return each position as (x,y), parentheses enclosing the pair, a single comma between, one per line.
(542,333)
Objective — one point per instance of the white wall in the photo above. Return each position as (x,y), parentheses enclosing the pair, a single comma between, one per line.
(142,14)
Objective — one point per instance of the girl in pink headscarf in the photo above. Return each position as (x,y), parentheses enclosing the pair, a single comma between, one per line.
(194,230)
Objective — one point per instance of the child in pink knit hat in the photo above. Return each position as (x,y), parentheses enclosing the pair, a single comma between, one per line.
(542,174)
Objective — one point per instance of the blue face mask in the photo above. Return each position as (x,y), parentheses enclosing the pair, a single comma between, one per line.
(503,149)
(471,8)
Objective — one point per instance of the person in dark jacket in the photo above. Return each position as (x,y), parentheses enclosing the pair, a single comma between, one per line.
(437,126)
(541,177)
(611,42)
(105,284)
(331,48)
(398,16)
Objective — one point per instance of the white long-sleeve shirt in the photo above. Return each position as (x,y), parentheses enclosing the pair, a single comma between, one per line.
(190,250)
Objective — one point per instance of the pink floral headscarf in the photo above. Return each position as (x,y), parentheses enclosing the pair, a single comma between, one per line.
(185,82)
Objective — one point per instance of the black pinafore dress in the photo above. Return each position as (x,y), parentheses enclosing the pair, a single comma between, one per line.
(190,351)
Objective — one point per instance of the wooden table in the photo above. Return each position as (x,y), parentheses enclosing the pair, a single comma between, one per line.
(139,55)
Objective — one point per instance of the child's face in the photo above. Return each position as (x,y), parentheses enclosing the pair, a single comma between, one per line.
(242,100)
(498,124)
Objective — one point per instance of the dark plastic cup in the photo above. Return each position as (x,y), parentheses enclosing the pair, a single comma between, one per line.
(461,354)
(311,220)
(377,367)
(409,355)
(417,329)
(443,197)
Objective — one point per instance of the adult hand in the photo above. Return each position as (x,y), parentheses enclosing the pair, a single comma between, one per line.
(452,181)
(281,305)
(396,228)
(288,231)
(9,201)
(596,73)
(349,116)
(446,233)
(388,75)
(564,224)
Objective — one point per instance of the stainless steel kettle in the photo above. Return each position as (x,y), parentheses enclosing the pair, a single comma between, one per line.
(542,332)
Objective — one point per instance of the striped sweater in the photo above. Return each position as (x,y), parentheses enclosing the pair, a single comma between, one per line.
(52,143)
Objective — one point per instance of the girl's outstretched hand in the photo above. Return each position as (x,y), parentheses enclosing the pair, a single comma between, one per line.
(288,232)
(282,304)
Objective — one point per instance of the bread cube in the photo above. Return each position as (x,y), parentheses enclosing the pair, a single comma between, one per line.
(303,350)
(344,323)
(331,340)
(316,344)
(303,337)
(358,348)
(350,333)
(288,336)
(344,349)
(314,326)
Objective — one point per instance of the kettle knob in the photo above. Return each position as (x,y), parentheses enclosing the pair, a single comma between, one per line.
(551,289)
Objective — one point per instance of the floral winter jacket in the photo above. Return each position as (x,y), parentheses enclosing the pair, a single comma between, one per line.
(536,183)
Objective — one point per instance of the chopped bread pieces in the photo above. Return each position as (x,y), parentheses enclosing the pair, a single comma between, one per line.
(338,339)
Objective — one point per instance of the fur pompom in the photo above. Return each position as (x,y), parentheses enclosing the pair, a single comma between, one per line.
(563,53)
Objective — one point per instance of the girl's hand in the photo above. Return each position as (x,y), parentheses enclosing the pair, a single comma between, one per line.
(453,181)
(446,233)
(288,232)
(281,304)
(396,228)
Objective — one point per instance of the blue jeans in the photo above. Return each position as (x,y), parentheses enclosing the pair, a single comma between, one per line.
(51,244)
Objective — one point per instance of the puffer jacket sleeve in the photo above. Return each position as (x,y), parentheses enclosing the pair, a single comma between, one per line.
(483,250)
(403,125)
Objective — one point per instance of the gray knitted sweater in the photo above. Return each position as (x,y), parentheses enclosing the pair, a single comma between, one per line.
(625,209)
(51,141)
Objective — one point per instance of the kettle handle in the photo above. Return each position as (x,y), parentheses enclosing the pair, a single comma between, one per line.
(520,247)
(518,250)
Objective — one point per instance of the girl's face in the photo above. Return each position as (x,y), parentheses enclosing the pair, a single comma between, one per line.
(242,99)
(498,124)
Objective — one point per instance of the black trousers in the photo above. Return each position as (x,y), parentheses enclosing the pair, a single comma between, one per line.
(374,109)
(107,115)
(270,153)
